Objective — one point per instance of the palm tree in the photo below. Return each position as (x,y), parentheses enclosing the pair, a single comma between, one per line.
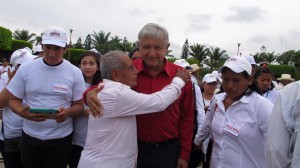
(100,41)
(38,39)
(24,35)
(115,43)
(199,52)
(216,57)
(265,57)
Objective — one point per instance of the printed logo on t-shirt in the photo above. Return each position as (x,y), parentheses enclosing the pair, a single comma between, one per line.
(60,88)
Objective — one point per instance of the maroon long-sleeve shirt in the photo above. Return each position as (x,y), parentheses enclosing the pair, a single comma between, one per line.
(174,122)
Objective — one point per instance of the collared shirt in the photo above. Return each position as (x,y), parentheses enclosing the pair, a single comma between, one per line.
(177,121)
(239,133)
(112,138)
(271,95)
(283,146)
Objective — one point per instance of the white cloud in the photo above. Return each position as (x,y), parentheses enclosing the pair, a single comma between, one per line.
(219,23)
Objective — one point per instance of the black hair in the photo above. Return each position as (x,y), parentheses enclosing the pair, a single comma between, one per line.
(133,51)
(264,69)
(97,77)
(251,88)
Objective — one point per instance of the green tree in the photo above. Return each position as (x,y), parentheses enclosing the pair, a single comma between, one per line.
(216,58)
(199,52)
(185,50)
(100,41)
(115,43)
(88,42)
(286,57)
(266,57)
(24,35)
(78,44)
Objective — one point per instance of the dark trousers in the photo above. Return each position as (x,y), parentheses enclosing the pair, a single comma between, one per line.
(160,155)
(11,159)
(36,153)
(195,157)
(75,156)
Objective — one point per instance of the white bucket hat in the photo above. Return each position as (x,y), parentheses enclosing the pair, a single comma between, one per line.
(55,36)
(237,65)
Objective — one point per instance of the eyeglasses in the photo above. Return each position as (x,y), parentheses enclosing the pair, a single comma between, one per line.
(131,68)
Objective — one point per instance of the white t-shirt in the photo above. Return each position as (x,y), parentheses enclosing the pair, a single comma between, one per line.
(80,128)
(44,86)
(240,133)
(112,138)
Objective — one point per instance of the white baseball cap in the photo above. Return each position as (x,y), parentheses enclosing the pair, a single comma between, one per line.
(237,65)
(208,78)
(37,49)
(55,36)
(21,56)
(181,62)
(250,59)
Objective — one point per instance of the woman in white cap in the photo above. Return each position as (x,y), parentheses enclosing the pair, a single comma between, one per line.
(237,119)
(12,124)
(209,85)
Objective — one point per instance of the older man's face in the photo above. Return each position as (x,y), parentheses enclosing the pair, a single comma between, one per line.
(153,51)
(128,73)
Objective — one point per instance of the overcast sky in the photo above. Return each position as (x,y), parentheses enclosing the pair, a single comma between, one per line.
(217,23)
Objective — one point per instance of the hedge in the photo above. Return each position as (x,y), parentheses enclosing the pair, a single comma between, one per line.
(18,44)
(74,55)
(5,39)
(284,69)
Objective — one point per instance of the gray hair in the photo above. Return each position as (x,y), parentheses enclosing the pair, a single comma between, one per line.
(110,61)
(155,31)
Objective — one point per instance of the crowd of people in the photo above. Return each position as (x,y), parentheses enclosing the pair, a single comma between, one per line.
(140,110)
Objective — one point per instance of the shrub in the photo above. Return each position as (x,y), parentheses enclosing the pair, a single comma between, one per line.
(18,44)
(74,55)
(5,39)
(283,69)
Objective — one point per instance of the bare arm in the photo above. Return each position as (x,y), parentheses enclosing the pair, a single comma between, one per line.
(16,105)
(4,98)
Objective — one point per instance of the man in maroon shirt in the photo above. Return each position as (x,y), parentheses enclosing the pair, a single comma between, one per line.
(164,139)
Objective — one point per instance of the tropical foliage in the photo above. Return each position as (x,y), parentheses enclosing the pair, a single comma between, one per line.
(24,35)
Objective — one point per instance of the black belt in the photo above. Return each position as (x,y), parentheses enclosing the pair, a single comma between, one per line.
(157,144)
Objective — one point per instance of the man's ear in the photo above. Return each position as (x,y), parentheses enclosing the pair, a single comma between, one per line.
(115,76)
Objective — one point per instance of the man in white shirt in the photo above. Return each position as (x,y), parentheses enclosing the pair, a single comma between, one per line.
(112,138)
(49,82)
(283,144)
